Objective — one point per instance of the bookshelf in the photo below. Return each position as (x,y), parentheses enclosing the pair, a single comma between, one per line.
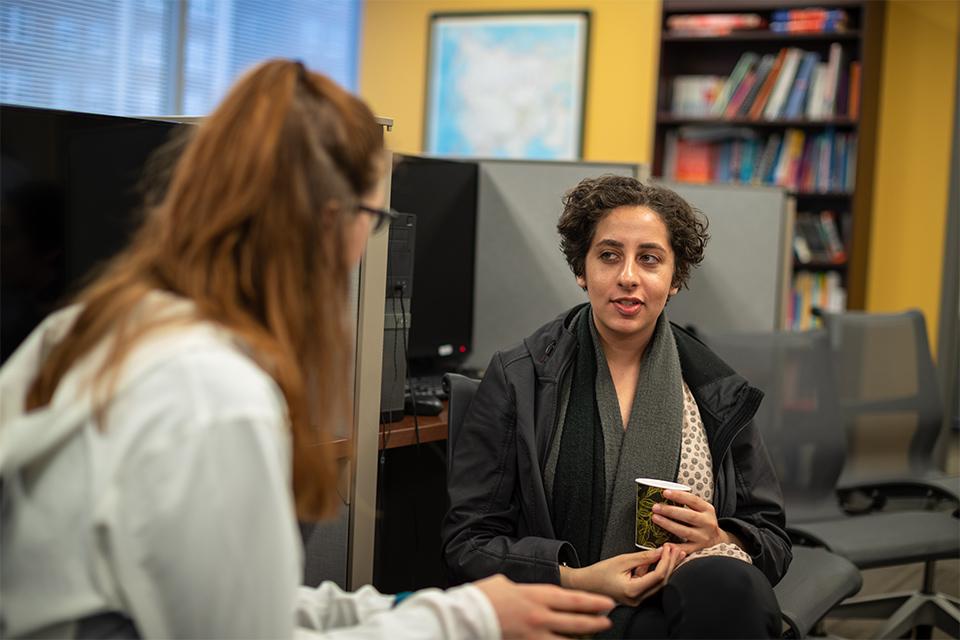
(695,142)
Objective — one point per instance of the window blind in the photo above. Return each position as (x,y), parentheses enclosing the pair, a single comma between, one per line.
(128,57)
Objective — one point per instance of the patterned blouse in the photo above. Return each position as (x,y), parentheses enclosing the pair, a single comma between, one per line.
(696,471)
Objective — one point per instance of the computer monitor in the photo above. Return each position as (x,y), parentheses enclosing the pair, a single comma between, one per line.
(443,196)
(70,200)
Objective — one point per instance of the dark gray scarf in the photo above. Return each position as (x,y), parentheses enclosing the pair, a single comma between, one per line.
(594,489)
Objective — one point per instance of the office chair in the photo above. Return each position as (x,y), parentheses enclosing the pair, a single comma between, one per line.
(801,420)
(803,601)
(460,390)
(891,406)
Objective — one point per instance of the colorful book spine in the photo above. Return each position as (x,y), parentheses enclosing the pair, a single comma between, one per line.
(831,79)
(801,86)
(763,70)
(734,106)
(784,81)
(744,64)
(715,24)
(756,111)
(853,108)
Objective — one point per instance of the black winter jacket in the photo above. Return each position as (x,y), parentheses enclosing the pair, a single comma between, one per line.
(499,520)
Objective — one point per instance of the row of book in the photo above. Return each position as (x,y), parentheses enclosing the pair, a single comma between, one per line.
(793,84)
(817,238)
(808,20)
(796,160)
(822,290)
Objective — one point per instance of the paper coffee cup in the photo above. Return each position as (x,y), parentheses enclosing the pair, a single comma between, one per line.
(649,492)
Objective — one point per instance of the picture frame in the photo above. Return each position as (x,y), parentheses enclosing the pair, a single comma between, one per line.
(507,85)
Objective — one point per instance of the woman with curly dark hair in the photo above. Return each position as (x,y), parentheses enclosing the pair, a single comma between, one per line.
(543,487)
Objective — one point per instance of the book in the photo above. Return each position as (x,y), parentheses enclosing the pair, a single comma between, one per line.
(831,233)
(785,172)
(670,155)
(807,26)
(842,104)
(767,159)
(693,95)
(798,93)
(693,163)
(811,20)
(785,15)
(853,103)
(808,227)
(734,106)
(784,81)
(715,24)
(744,64)
(756,111)
(801,250)
(823,162)
(750,150)
(815,100)
(831,79)
(763,70)
(851,172)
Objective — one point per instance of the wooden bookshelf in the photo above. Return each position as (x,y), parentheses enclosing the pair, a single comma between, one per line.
(667,118)
(683,54)
(750,37)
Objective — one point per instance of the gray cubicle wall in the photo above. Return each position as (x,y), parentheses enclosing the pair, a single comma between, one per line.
(744,280)
(522,279)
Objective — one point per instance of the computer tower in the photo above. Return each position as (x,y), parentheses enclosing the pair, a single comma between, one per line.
(396,320)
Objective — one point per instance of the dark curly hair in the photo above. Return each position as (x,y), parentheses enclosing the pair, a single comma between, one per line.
(588,202)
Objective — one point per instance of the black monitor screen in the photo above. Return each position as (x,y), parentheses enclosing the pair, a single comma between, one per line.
(443,196)
(70,200)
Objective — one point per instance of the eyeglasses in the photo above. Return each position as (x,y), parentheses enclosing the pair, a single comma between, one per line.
(381,217)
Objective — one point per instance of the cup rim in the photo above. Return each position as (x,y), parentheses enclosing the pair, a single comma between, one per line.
(662,484)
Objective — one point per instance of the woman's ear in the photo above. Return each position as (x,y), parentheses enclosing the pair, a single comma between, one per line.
(582,281)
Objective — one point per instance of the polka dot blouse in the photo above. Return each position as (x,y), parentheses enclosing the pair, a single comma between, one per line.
(696,471)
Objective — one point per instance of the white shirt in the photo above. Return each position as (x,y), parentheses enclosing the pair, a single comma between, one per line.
(179,512)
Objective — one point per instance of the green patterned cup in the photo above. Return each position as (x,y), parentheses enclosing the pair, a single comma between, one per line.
(649,492)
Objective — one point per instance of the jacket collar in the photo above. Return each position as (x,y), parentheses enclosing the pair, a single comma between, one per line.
(553,345)
(719,390)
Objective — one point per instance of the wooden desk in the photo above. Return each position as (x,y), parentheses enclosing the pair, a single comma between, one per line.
(402,433)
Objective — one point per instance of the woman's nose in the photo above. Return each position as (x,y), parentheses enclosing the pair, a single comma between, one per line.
(628,274)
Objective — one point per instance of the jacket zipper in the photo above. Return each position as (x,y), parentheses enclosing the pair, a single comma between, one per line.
(556,408)
(742,416)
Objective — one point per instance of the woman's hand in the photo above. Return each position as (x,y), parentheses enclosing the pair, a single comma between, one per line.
(543,610)
(694,521)
(626,578)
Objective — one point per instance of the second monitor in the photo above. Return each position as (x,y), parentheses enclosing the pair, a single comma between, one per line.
(443,196)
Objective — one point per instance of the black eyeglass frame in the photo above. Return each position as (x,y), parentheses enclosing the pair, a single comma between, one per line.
(382,217)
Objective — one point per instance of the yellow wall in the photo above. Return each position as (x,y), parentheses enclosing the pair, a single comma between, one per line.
(913,158)
(621,77)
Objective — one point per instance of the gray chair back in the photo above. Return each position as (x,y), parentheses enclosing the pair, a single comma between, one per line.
(460,390)
(799,417)
(889,393)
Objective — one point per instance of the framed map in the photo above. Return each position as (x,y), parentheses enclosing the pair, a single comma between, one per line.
(507,85)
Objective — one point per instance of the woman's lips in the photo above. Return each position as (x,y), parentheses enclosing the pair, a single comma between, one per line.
(628,306)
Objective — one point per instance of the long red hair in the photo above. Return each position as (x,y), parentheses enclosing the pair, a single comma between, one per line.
(251,228)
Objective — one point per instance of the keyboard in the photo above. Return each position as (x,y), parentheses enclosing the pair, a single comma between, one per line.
(427,386)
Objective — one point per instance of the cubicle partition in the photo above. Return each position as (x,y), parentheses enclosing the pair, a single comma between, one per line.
(743,283)
(522,279)
(342,549)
